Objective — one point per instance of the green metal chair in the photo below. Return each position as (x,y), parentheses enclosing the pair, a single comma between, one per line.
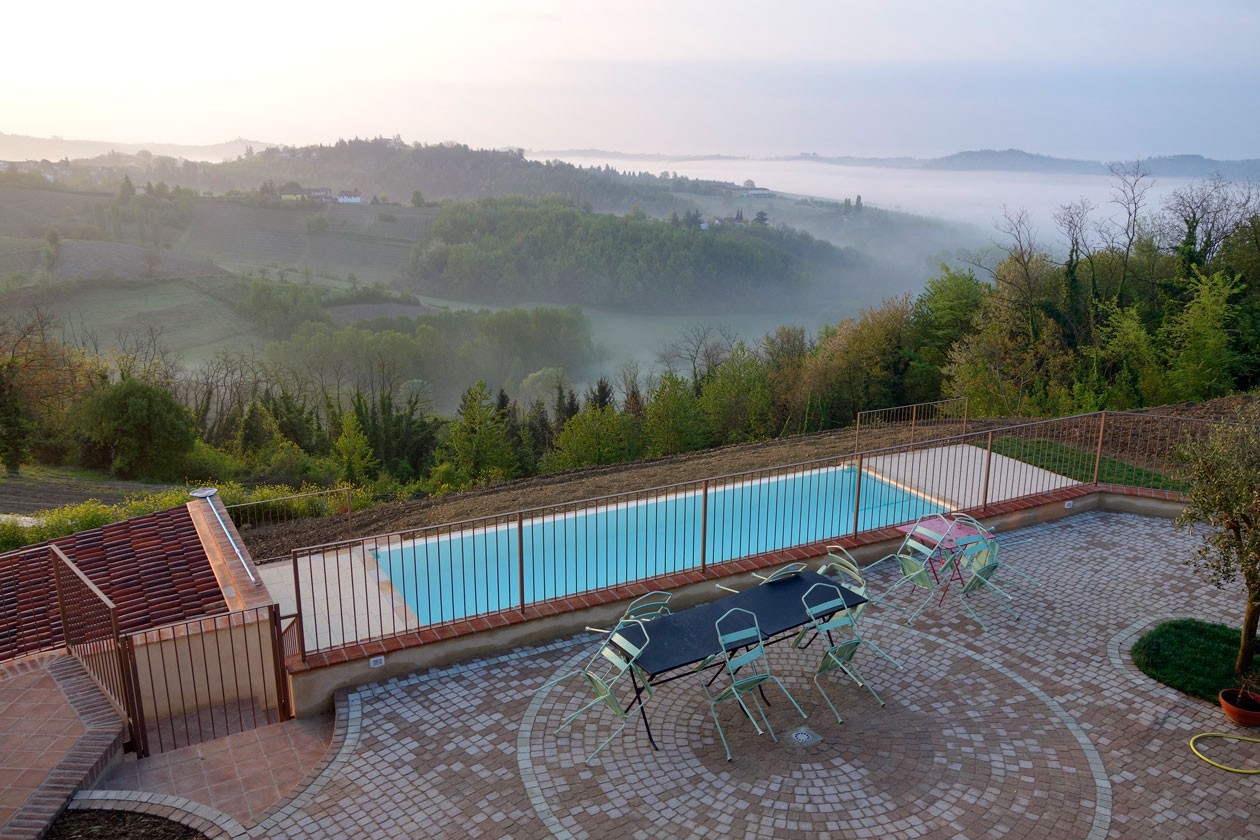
(841,566)
(614,660)
(649,606)
(979,564)
(825,606)
(918,574)
(790,570)
(739,636)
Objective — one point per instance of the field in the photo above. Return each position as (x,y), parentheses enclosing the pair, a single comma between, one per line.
(42,488)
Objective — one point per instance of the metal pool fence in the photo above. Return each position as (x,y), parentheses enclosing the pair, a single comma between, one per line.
(508,562)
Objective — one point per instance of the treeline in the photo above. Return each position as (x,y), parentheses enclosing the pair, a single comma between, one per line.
(393,171)
(512,249)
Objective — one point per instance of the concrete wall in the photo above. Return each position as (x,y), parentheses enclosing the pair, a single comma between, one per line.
(230,659)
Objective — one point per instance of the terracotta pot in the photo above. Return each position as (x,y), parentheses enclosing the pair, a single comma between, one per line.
(1246,714)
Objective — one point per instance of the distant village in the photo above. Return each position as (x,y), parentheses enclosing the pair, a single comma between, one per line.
(291,192)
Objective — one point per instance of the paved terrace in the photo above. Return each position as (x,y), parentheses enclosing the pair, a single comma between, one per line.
(1040,728)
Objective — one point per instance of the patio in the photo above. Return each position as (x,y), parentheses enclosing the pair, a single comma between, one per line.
(1041,728)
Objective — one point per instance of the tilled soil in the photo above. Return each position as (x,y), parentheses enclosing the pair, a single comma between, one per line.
(116,825)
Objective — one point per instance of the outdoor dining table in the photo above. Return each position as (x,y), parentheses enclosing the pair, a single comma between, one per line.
(942,540)
(687,637)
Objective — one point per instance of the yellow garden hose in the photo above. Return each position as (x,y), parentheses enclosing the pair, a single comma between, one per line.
(1230,737)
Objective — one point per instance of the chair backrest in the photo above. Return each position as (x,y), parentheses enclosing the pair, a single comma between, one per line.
(916,571)
(980,576)
(790,570)
(825,606)
(840,563)
(648,606)
(979,553)
(620,651)
(739,636)
(971,521)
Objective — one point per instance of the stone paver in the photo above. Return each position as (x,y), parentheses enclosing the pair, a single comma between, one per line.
(1040,728)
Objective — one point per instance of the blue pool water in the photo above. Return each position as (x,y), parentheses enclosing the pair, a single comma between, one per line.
(478,570)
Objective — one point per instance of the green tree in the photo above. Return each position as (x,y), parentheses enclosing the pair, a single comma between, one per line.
(595,435)
(136,429)
(1198,340)
(478,446)
(126,190)
(735,400)
(417,199)
(942,315)
(353,452)
(1222,473)
(16,426)
(673,423)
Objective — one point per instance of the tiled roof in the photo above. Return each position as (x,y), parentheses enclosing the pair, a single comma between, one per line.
(154,568)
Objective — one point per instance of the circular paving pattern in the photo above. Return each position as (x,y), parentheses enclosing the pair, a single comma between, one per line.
(963,747)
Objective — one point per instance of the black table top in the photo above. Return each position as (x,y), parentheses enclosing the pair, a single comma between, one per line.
(688,636)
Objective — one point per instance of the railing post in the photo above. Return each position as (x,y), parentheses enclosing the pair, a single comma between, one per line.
(966,412)
(520,557)
(1102,428)
(988,466)
(297,594)
(704,526)
(131,695)
(349,517)
(914,419)
(284,703)
(857,495)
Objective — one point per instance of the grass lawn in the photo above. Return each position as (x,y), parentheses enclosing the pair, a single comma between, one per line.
(1192,656)
(1078,464)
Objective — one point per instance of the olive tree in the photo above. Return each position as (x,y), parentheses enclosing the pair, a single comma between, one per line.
(1222,473)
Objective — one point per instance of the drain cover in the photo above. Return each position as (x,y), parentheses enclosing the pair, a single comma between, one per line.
(803,736)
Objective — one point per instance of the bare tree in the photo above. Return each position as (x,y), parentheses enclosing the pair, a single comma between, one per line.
(1197,218)
(1129,194)
(699,350)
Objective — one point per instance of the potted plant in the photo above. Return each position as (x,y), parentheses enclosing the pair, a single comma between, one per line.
(1242,704)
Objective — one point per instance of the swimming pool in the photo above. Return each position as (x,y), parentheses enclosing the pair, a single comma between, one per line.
(479,570)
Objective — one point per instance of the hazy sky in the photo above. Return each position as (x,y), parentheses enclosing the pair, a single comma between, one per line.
(1098,79)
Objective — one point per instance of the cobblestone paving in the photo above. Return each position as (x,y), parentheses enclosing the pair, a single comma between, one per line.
(1039,728)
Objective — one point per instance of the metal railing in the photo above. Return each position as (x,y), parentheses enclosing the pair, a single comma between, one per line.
(209,677)
(258,515)
(395,584)
(921,419)
(89,626)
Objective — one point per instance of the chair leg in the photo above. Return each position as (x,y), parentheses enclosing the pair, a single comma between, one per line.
(921,608)
(967,606)
(789,696)
(879,652)
(721,734)
(823,692)
(575,715)
(856,676)
(607,740)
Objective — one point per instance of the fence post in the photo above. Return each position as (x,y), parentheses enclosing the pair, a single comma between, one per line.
(349,517)
(857,495)
(704,526)
(520,557)
(966,412)
(284,703)
(988,466)
(1102,427)
(297,594)
(914,419)
(131,695)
